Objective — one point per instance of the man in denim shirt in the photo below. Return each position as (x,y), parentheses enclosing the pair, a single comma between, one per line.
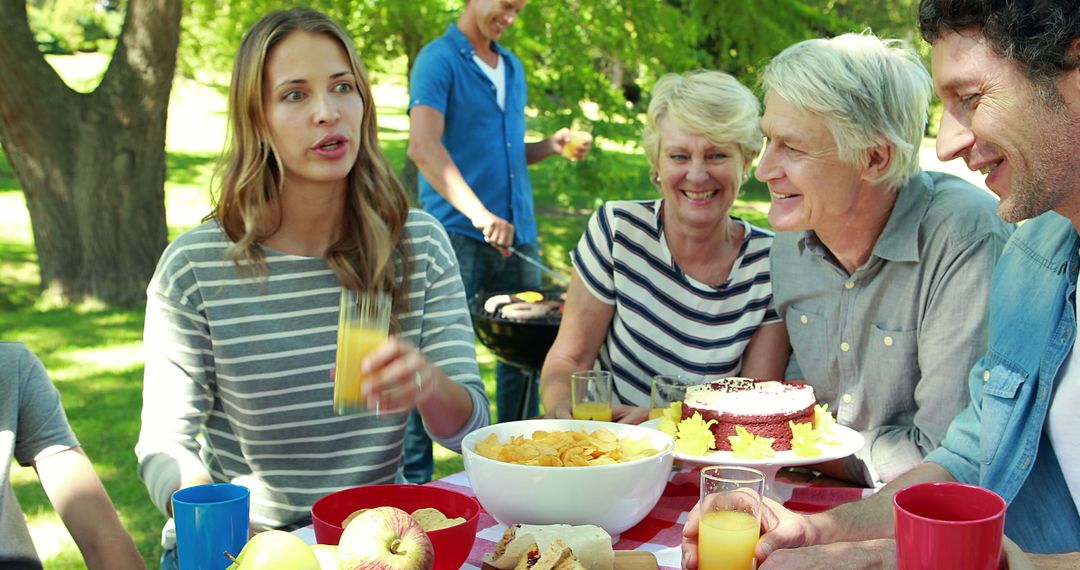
(1008,74)
(467,135)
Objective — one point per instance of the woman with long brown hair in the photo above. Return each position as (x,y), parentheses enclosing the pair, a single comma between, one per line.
(241,317)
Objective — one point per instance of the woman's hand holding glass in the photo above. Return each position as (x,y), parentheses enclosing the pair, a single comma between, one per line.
(399,377)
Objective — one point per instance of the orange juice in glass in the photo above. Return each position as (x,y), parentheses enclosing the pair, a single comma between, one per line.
(363,326)
(730,524)
(579,135)
(666,389)
(590,392)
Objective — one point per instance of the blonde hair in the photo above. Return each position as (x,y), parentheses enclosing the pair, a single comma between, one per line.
(869,91)
(703,102)
(248,208)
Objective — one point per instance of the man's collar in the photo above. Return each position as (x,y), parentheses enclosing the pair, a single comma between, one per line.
(899,239)
(463,45)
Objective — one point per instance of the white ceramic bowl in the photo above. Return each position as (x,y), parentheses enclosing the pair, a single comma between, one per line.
(613,497)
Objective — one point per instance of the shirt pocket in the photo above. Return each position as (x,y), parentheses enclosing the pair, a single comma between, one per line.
(892,362)
(1001,385)
(809,333)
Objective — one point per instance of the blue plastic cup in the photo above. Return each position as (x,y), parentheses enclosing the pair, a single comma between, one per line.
(210,519)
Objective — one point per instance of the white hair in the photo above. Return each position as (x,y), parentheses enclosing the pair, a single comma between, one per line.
(869,90)
(704,102)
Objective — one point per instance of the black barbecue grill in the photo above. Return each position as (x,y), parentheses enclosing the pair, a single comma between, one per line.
(523,342)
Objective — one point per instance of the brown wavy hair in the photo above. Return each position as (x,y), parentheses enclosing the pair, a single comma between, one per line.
(370,252)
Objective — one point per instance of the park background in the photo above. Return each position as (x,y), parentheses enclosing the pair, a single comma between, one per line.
(589,61)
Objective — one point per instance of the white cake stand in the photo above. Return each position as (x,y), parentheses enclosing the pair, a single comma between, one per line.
(847,441)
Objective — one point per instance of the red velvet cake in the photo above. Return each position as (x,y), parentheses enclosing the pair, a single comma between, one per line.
(763,407)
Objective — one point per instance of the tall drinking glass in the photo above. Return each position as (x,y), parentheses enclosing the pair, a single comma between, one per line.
(591,393)
(666,389)
(363,326)
(730,507)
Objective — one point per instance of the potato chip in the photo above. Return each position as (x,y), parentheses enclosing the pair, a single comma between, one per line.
(576,448)
(433,519)
(349,518)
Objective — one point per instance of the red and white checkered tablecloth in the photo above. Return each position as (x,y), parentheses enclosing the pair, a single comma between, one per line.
(661,531)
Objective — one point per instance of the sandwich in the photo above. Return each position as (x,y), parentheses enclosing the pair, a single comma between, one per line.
(584,546)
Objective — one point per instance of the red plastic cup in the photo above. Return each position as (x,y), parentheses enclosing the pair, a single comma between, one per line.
(948,526)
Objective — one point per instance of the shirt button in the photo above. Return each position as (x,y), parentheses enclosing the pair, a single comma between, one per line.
(507,145)
(511,176)
(849,285)
(888,341)
(803,319)
(846,398)
(845,346)
(986,375)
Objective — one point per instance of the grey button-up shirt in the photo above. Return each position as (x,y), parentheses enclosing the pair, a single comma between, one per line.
(889,346)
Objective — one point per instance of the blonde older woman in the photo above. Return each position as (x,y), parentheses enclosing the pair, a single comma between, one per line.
(674,285)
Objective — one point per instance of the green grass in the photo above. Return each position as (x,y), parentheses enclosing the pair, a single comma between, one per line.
(93,353)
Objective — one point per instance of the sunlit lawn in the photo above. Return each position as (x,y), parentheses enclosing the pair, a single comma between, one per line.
(94,353)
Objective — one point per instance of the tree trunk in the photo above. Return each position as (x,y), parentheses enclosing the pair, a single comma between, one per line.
(92,166)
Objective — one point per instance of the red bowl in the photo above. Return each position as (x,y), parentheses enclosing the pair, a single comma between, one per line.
(451,545)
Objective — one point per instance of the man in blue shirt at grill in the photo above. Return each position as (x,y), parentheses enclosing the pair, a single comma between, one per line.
(467,136)
(1008,74)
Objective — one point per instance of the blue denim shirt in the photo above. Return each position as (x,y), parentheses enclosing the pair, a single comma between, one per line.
(485,142)
(998,440)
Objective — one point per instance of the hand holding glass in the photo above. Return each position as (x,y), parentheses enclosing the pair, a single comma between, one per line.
(578,136)
(666,388)
(730,517)
(363,326)
(590,392)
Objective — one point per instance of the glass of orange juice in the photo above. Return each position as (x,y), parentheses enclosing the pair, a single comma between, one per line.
(666,389)
(590,391)
(730,524)
(363,326)
(579,135)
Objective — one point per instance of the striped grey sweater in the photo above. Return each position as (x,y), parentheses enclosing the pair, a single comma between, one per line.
(237,381)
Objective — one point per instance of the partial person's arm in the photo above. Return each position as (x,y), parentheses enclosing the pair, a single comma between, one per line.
(766,356)
(426,127)
(555,144)
(76,493)
(440,376)
(584,326)
(177,395)
(868,519)
(951,338)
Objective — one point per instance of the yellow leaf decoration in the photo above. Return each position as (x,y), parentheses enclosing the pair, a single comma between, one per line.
(804,439)
(746,445)
(669,421)
(694,436)
(823,420)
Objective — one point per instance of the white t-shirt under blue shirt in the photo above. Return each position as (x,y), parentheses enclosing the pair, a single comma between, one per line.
(497,75)
(1061,423)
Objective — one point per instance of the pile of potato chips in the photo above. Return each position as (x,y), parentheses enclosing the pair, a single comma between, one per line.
(566,448)
(429,518)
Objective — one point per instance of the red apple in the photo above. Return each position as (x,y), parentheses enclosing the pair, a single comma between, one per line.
(385,538)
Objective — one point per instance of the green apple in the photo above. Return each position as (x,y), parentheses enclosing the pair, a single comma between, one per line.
(385,538)
(275,550)
(327,555)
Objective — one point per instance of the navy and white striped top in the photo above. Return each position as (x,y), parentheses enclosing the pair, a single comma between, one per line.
(237,382)
(665,321)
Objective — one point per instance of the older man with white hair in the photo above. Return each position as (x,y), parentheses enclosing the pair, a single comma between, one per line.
(881,271)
